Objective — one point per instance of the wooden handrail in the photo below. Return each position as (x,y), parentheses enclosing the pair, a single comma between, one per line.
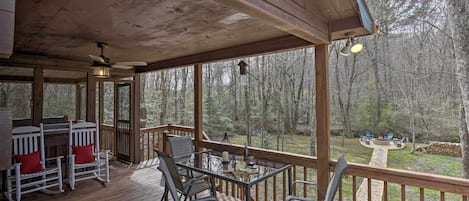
(444,184)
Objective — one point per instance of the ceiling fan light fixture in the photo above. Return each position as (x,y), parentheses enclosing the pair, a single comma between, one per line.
(101,72)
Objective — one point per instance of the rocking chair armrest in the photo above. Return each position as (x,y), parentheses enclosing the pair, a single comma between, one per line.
(15,165)
(106,153)
(55,158)
(71,156)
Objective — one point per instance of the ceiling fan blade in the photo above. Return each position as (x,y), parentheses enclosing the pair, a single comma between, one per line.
(132,63)
(98,59)
(122,66)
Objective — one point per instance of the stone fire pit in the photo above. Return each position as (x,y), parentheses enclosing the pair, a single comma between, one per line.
(380,141)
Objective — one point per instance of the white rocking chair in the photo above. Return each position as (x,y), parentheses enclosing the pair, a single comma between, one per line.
(27,140)
(85,134)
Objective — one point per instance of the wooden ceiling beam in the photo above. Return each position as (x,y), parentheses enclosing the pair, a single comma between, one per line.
(13,78)
(261,47)
(287,16)
(50,63)
(346,24)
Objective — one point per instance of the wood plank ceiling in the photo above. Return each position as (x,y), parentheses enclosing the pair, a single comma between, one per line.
(59,34)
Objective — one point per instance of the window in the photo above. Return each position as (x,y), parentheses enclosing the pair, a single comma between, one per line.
(18,97)
(59,100)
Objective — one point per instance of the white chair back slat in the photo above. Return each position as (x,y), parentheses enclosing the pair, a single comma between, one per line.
(26,140)
(83,134)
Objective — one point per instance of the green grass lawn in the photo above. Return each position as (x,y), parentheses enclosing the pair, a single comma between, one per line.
(354,152)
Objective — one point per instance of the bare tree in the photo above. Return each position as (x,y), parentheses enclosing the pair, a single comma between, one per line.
(458,12)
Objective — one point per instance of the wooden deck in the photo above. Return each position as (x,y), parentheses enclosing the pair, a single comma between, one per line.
(135,182)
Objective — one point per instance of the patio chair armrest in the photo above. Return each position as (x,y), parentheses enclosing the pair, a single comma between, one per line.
(305,182)
(187,155)
(293,185)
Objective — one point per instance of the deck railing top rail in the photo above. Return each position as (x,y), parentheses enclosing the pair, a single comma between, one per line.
(404,177)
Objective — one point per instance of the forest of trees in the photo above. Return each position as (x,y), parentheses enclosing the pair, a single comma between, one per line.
(404,81)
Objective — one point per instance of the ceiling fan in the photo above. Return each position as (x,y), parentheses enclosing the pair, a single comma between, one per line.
(103,61)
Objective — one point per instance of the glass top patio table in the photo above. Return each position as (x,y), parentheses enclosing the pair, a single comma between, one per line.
(211,164)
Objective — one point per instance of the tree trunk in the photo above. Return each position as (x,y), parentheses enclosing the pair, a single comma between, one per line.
(182,119)
(458,15)
(164,98)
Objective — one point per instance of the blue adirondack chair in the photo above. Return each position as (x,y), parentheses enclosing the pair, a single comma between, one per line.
(399,141)
(389,136)
(368,134)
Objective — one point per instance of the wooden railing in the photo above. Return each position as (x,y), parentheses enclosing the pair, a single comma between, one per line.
(107,138)
(397,183)
(151,138)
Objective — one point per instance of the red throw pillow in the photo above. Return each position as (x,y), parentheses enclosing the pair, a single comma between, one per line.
(30,163)
(83,154)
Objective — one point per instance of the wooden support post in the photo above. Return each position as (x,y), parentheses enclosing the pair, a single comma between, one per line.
(198,113)
(91,98)
(322,116)
(101,102)
(77,101)
(38,95)
(135,119)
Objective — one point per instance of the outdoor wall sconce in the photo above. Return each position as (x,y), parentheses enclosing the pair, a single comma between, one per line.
(351,46)
(101,71)
(243,67)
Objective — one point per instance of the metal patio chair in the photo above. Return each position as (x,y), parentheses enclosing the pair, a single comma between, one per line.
(173,183)
(333,185)
(182,148)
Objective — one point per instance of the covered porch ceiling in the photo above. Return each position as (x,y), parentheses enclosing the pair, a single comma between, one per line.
(58,35)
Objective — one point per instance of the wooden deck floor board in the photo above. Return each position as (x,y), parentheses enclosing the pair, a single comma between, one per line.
(138,182)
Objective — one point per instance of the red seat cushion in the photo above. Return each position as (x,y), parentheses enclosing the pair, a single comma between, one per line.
(30,163)
(83,154)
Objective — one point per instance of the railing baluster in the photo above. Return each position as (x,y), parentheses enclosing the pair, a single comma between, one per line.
(305,178)
(340,192)
(354,188)
(369,189)
(294,178)
(402,192)
(266,189)
(233,190)
(226,187)
(149,145)
(284,184)
(442,196)
(274,187)
(464,198)
(257,192)
(422,194)
(385,191)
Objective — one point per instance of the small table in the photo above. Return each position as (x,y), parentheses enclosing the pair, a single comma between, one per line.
(210,163)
